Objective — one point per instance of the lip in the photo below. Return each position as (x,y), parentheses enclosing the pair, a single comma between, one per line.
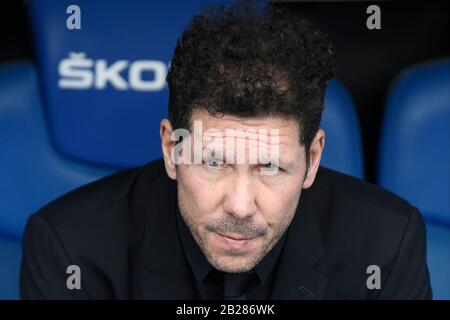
(235,237)
(234,242)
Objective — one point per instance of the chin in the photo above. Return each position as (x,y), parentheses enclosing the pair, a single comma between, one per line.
(233,258)
(233,266)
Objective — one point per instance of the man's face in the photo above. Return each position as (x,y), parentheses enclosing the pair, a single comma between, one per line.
(235,212)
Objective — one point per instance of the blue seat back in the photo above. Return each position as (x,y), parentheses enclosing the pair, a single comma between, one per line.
(343,146)
(414,151)
(415,158)
(32,172)
(105,84)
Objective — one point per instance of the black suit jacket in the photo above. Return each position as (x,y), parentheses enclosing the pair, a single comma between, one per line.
(121,232)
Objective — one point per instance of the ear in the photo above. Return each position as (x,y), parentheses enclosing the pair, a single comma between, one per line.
(167,145)
(315,154)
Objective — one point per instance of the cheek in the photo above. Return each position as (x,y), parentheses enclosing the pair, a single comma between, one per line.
(279,204)
(199,197)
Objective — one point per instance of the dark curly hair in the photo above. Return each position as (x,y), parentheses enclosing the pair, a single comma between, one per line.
(248,60)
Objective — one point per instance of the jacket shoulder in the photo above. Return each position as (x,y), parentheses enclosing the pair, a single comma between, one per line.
(106,193)
(363,216)
(366,225)
(359,192)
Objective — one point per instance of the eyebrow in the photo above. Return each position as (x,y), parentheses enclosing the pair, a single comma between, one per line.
(281,161)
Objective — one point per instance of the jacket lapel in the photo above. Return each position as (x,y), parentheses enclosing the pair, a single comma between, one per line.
(296,276)
(160,269)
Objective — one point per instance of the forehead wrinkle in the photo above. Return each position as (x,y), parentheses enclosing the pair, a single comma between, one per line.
(237,123)
(251,136)
(261,144)
(285,147)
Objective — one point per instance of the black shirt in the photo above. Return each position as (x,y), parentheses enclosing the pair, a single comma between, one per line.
(212,282)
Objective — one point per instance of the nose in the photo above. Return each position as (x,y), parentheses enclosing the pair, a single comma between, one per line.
(240,199)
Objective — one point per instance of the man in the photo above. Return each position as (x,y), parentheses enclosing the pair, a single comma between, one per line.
(212,220)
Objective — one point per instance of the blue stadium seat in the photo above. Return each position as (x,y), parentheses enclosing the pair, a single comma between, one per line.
(32,172)
(343,146)
(10,258)
(105,84)
(415,157)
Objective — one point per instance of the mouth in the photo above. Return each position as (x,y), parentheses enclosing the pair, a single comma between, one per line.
(234,241)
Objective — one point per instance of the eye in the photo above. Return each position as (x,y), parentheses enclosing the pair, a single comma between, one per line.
(213,162)
(271,167)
